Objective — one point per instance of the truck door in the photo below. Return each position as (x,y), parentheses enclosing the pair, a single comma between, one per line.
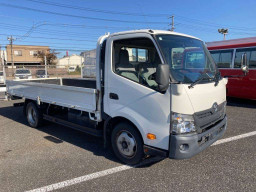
(130,87)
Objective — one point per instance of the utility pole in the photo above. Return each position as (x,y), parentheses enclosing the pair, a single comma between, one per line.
(45,65)
(172,24)
(81,66)
(224,32)
(3,63)
(0,55)
(11,39)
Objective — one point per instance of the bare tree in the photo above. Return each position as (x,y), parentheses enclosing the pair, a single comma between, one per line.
(51,57)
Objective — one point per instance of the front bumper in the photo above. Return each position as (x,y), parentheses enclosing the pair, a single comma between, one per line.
(186,146)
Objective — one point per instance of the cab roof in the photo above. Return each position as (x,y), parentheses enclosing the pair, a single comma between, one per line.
(151,31)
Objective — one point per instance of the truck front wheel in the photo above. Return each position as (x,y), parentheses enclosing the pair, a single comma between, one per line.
(127,143)
(33,114)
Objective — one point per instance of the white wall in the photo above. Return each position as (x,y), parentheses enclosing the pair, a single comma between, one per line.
(73,60)
(3,52)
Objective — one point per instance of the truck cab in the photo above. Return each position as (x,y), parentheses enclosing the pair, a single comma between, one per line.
(179,120)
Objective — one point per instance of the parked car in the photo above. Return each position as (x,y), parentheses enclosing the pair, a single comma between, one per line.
(1,77)
(41,74)
(71,69)
(23,74)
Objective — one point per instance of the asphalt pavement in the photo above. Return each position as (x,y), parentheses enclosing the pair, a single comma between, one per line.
(36,158)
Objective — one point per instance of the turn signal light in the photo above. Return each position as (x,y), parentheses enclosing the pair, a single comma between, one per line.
(151,136)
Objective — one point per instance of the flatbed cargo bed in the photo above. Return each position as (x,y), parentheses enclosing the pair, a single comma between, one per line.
(80,94)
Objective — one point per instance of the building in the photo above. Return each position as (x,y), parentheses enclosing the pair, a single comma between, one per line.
(24,54)
(68,61)
(89,56)
(89,65)
(90,53)
(3,55)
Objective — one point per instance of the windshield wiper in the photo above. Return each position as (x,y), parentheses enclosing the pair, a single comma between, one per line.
(200,79)
(217,78)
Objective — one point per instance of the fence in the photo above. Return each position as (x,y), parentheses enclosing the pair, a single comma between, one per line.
(38,71)
(89,67)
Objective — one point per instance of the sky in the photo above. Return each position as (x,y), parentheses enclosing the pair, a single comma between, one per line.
(75,25)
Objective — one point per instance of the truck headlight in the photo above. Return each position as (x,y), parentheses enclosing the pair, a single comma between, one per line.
(182,123)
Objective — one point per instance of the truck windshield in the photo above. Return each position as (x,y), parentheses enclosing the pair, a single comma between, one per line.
(188,58)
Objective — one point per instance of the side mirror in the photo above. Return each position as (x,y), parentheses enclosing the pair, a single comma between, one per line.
(163,77)
(244,65)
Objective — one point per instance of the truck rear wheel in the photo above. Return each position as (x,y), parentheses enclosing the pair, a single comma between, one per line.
(127,144)
(34,115)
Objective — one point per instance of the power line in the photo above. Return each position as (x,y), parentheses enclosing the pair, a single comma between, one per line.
(186,19)
(50,32)
(55,38)
(71,49)
(53,33)
(97,10)
(211,24)
(72,25)
(51,43)
(207,29)
(77,16)
(75,25)
(132,14)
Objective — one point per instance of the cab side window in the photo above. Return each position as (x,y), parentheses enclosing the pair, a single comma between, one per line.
(251,57)
(136,59)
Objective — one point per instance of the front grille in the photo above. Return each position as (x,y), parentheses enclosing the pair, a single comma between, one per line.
(205,119)
(203,115)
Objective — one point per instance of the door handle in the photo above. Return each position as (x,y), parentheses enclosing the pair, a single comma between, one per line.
(113,96)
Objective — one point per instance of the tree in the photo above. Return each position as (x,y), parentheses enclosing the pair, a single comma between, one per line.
(51,57)
(78,69)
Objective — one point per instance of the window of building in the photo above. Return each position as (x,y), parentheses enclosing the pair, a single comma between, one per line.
(33,53)
(251,57)
(222,58)
(17,53)
(136,59)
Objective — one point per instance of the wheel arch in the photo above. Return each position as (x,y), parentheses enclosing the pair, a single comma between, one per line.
(111,122)
(26,102)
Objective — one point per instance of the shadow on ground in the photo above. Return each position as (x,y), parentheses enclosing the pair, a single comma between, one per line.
(58,134)
(241,102)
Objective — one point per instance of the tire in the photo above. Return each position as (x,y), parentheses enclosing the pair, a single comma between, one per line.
(34,115)
(127,144)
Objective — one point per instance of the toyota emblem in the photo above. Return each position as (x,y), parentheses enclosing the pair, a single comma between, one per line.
(215,107)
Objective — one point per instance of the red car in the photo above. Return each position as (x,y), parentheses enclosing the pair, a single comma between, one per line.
(227,55)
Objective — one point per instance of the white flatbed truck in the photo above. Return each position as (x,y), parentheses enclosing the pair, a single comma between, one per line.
(155,93)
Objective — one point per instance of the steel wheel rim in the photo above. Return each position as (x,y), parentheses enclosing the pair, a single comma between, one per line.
(126,144)
(31,116)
